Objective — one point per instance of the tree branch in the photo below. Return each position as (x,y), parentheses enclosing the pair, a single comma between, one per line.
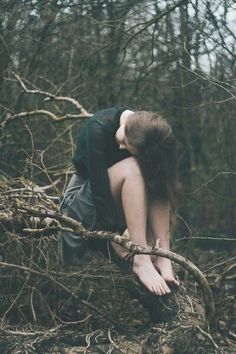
(83,113)
(50,97)
(133,248)
(153,20)
(43,112)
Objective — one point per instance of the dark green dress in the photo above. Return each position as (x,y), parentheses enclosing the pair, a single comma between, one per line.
(88,196)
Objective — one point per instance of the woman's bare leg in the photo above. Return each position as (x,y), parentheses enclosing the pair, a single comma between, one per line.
(159,219)
(128,190)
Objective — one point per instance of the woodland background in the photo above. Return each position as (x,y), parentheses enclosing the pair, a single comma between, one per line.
(173,57)
(178,62)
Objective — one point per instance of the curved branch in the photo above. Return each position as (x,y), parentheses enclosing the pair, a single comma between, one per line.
(50,97)
(77,228)
(43,112)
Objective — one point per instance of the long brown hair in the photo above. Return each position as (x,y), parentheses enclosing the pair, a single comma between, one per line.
(158,156)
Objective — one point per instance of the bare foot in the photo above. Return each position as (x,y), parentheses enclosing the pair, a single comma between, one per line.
(145,270)
(148,275)
(165,267)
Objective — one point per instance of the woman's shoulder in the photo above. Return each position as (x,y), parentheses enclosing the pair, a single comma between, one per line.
(109,114)
(103,121)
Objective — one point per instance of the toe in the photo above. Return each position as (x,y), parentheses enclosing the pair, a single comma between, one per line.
(165,287)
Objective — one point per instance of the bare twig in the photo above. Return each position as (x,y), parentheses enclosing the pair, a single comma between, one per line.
(208,336)
(221,276)
(220,264)
(205,238)
(64,288)
(83,113)
(49,96)
(210,180)
(38,112)
(153,21)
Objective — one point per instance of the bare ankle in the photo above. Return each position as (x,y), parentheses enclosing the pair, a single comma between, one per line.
(140,259)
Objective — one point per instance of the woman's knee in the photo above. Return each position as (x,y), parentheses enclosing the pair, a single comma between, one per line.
(121,171)
(123,168)
(131,168)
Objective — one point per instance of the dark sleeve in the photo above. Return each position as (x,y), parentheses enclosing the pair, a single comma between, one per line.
(96,151)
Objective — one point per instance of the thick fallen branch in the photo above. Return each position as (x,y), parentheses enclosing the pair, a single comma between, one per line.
(77,228)
(45,220)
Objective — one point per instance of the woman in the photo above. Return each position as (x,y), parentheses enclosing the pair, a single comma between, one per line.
(126,176)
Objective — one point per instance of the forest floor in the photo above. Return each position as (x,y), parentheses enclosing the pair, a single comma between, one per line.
(97,307)
(41,318)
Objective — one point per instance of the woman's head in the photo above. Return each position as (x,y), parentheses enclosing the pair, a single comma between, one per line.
(145,129)
(151,137)
(122,140)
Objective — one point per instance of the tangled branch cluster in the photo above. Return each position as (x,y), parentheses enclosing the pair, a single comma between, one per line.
(36,290)
(50,302)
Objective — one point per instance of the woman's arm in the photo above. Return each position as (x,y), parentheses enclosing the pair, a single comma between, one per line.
(159,217)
